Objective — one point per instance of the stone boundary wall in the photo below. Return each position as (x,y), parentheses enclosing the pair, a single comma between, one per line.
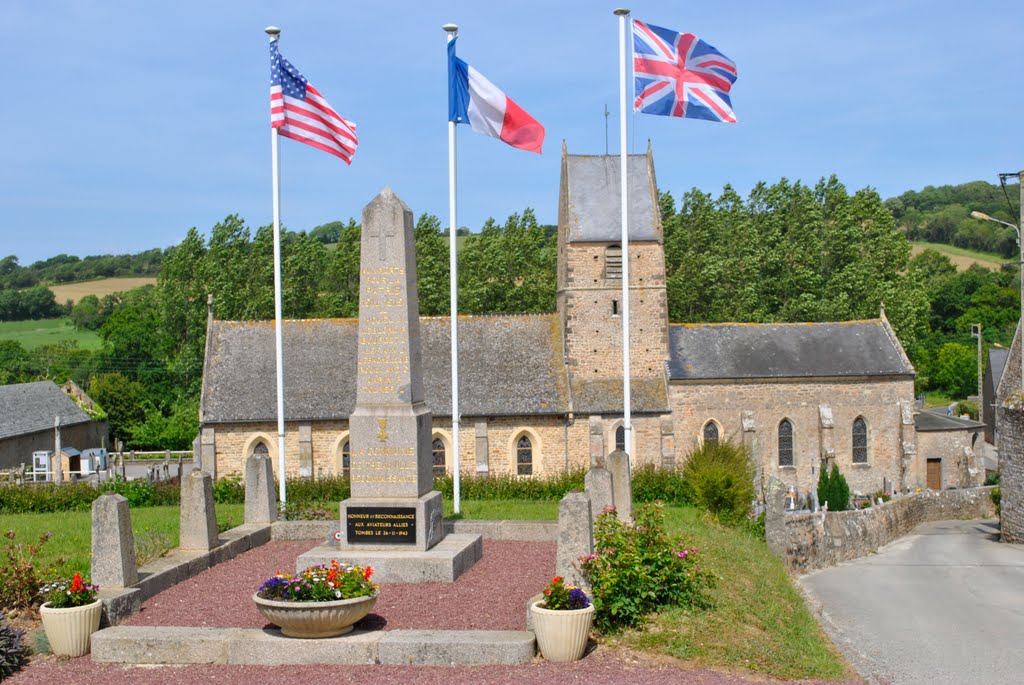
(819,540)
(1010,419)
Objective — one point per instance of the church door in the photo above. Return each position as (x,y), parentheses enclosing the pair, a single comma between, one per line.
(935,474)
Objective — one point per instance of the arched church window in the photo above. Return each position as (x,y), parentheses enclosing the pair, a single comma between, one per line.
(437,449)
(346,458)
(524,456)
(613,263)
(260,449)
(710,432)
(860,441)
(785,443)
(620,438)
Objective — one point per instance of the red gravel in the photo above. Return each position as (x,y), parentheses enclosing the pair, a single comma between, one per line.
(490,596)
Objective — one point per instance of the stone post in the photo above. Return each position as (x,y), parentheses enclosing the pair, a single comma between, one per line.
(622,486)
(668,443)
(749,427)
(198,529)
(575,536)
(305,450)
(598,486)
(208,451)
(596,429)
(908,446)
(113,545)
(481,447)
(775,516)
(260,499)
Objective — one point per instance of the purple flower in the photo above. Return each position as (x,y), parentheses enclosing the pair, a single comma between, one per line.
(578,599)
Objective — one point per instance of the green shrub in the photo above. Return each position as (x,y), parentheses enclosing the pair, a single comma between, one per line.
(305,492)
(997,499)
(229,490)
(44,498)
(553,487)
(638,569)
(139,493)
(834,489)
(719,478)
(651,484)
(13,650)
(992,478)
(19,577)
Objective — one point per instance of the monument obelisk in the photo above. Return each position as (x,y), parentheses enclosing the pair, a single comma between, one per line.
(392,519)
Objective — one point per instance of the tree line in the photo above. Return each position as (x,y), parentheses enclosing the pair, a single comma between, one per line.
(785,252)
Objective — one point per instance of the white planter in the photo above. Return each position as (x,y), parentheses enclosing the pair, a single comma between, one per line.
(315,619)
(69,630)
(562,635)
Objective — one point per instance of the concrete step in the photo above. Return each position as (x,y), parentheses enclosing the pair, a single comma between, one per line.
(154,645)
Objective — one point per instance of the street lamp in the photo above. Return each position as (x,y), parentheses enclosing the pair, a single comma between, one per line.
(1020,268)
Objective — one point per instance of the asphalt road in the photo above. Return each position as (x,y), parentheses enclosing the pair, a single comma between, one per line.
(942,605)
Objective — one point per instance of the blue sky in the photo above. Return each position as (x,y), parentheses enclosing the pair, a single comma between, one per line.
(128,123)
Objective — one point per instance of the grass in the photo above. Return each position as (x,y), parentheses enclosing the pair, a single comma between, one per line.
(961,257)
(99,287)
(155,529)
(758,622)
(32,334)
(520,510)
(937,399)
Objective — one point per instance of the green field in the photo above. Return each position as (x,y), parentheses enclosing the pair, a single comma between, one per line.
(962,258)
(32,334)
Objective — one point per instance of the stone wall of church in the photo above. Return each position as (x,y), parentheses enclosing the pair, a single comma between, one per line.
(549,436)
(593,332)
(768,403)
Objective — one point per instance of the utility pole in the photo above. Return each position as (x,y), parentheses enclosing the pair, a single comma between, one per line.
(1020,272)
(976,333)
(606,115)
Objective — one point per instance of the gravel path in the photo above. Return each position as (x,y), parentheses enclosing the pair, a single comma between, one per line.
(491,596)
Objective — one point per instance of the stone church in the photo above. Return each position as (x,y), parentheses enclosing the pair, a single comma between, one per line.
(543,393)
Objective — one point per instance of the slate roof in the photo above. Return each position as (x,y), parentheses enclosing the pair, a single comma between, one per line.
(997,357)
(802,350)
(594,212)
(30,408)
(930,421)
(509,365)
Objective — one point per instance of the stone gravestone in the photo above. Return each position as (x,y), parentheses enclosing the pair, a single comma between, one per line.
(575,536)
(198,528)
(393,506)
(113,545)
(622,485)
(598,485)
(260,499)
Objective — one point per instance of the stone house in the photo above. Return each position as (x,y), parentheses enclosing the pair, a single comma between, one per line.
(543,393)
(946,445)
(27,412)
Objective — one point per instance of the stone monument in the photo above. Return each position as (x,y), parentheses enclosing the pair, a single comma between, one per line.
(393,518)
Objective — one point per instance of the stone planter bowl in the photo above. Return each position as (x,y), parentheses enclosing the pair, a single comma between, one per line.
(69,630)
(315,619)
(562,635)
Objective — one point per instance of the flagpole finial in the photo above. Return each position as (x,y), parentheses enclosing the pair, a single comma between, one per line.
(272,31)
(621,12)
(450,28)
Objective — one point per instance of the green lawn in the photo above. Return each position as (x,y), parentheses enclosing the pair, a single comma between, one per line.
(758,623)
(520,510)
(155,528)
(32,334)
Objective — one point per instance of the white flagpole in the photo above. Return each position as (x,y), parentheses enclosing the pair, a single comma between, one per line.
(274,34)
(453,283)
(623,15)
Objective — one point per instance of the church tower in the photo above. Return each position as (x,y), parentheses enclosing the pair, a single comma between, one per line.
(590,284)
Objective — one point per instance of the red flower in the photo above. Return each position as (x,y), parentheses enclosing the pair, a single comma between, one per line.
(76,583)
(367,572)
(556,579)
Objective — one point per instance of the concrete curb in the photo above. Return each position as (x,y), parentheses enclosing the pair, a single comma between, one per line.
(157,645)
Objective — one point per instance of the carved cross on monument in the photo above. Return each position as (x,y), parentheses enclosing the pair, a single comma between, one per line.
(382,231)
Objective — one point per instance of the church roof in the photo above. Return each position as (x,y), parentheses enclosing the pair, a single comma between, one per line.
(509,365)
(594,208)
(31,407)
(997,357)
(798,350)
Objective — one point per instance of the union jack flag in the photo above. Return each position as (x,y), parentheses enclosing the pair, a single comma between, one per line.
(679,75)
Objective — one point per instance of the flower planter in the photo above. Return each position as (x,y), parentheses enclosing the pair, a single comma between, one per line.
(315,619)
(69,630)
(562,635)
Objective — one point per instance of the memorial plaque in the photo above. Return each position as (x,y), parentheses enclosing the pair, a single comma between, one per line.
(381,525)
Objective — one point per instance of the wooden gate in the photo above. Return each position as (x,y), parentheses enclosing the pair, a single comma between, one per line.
(935,474)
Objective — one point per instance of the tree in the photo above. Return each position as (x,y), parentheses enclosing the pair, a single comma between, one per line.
(833,489)
(126,402)
(956,370)
(87,314)
(432,266)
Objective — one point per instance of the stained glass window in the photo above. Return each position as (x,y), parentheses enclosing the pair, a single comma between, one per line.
(860,441)
(346,458)
(524,456)
(620,438)
(437,449)
(710,432)
(785,443)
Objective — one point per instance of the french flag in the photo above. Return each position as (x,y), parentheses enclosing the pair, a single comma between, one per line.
(474,99)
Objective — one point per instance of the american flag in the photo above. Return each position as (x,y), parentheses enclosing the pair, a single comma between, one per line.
(299,112)
(679,75)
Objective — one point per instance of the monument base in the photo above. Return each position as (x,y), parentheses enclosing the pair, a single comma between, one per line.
(391,524)
(447,560)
